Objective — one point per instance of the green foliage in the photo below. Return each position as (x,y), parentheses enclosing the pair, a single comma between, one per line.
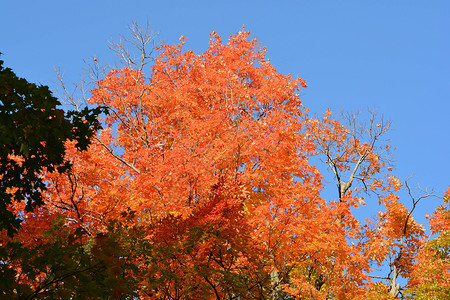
(434,283)
(34,130)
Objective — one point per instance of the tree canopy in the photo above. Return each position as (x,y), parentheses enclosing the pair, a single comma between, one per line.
(201,186)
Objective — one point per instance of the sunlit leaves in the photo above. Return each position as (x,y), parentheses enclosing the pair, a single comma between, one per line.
(201,186)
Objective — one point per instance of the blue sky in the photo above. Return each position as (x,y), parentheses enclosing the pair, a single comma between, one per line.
(392,55)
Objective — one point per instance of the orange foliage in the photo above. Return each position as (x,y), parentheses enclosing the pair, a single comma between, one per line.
(211,153)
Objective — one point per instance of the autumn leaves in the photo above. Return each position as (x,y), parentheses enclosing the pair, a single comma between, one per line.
(200,185)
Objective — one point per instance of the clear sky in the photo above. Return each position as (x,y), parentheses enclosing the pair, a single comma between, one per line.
(392,55)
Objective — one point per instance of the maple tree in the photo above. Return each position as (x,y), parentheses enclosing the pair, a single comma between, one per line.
(201,186)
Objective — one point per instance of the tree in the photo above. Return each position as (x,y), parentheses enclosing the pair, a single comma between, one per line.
(203,182)
(32,136)
(356,152)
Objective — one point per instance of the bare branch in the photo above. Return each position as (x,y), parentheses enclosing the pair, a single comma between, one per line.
(143,41)
(378,277)
(117,156)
